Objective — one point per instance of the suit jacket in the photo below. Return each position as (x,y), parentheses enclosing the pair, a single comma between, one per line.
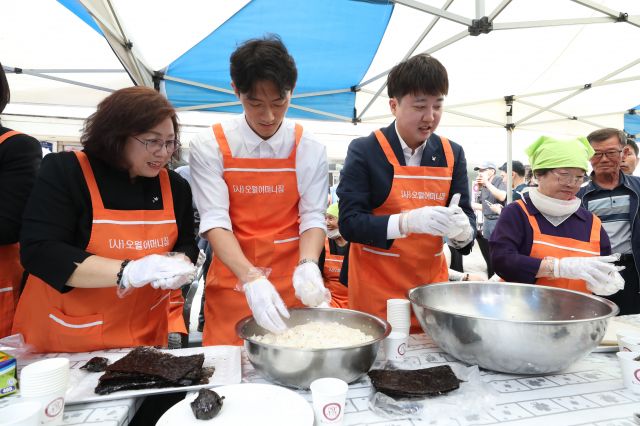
(365,183)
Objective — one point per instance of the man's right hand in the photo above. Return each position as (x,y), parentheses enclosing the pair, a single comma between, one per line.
(266,305)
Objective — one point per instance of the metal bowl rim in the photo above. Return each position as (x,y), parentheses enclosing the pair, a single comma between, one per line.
(387,329)
(614,308)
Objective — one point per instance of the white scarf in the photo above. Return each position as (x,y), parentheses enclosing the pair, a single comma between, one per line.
(554,210)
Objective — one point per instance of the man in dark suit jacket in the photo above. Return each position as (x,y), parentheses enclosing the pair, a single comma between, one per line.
(395,192)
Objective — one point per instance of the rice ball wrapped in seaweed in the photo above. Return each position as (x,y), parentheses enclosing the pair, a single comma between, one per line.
(207,405)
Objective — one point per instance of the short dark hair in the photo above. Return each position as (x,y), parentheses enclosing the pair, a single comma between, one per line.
(516,166)
(601,135)
(5,94)
(126,112)
(263,59)
(420,74)
(633,145)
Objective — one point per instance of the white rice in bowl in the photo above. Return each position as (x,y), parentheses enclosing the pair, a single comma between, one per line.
(316,335)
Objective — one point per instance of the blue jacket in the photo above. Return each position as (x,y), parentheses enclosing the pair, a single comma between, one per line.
(632,183)
(365,183)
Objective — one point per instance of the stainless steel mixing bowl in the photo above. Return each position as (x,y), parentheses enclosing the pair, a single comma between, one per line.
(299,367)
(509,327)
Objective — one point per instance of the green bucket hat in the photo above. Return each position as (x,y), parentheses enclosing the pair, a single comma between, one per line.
(333,210)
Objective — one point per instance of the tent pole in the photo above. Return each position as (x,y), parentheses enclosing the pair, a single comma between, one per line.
(509,103)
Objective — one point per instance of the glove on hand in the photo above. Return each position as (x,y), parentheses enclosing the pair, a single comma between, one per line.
(599,272)
(156,268)
(266,305)
(428,220)
(309,285)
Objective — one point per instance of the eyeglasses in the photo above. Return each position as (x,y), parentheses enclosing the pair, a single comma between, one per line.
(568,179)
(611,155)
(155,145)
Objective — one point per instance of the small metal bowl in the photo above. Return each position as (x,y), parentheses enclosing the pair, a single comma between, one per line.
(297,368)
(511,327)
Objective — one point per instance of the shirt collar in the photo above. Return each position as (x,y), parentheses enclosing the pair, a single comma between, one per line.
(405,148)
(253,141)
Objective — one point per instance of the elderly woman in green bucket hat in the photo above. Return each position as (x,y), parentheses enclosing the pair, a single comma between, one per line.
(547,237)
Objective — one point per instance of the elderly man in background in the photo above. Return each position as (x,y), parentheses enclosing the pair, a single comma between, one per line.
(613,197)
(491,187)
(629,157)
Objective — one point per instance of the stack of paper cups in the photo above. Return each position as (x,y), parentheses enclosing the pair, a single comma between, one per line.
(46,383)
(399,315)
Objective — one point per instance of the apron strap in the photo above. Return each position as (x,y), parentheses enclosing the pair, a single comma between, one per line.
(8,134)
(386,147)
(165,188)
(532,219)
(89,177)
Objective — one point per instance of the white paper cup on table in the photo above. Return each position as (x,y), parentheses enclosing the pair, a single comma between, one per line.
(630,370)
(399,314)
(24,413)
(329,396)
(395,346)
(45,382)
(628,341)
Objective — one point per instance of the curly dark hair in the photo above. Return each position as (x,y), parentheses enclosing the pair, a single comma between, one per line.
(5,94)
(126,112)
(263,59)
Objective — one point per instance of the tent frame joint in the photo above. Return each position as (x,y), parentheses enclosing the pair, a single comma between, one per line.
(355,88)
(623,17)
(157,77)
(480,26)
(632,111)
(510,126)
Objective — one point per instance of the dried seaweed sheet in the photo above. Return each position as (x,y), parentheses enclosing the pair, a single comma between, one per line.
(97,364)
(415,383)
(146,367)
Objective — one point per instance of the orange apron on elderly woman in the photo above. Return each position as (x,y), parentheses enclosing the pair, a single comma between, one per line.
(331,273)
(377,274)
(559,247)
(88,319)
(263,207)
(10,274)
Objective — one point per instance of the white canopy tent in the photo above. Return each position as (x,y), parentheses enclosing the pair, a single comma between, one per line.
(558,66)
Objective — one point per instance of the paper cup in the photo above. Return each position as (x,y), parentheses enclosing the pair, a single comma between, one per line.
(628,342)
(329,395)
(26,413)
(399,313)
(630,370)
(395,346)
(45,383)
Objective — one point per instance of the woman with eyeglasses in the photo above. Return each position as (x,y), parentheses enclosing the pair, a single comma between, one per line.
(547,237)
(98,230)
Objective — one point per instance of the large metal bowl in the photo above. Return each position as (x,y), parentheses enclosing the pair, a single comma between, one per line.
(509,327)
(297,368)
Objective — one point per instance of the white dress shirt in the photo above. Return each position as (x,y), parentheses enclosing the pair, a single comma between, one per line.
(210,191)
(412,157)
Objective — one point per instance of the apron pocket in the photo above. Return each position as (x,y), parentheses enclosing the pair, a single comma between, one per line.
(75,334)
(286,251)
(7,307)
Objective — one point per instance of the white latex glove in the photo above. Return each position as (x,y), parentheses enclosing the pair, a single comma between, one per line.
(266,305)
(599,272)
(174,282)
(309,285)
(155,268)
(428,220)
(460,230)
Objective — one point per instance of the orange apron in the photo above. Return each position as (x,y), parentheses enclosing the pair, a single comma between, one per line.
(88,319)
(263,207)
(10,274)
(376,274)
(176,309)
(331,273)
(559,247)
